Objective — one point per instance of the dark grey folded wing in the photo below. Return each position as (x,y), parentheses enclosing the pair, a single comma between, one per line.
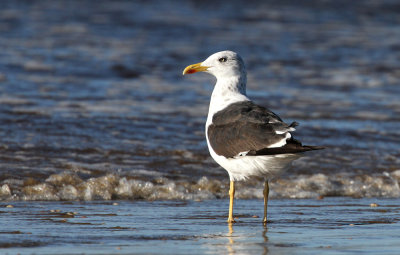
(245,127)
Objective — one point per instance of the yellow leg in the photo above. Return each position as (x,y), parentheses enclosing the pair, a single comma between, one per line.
(266,193)
(231,196)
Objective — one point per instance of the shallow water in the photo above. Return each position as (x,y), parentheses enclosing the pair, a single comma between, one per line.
(328,226)
(93,104)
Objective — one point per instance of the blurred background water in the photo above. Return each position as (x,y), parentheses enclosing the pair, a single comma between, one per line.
(93,104)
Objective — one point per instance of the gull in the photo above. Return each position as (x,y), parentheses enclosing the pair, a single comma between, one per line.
(245,139)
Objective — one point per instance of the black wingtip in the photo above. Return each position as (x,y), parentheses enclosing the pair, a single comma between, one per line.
(291,148)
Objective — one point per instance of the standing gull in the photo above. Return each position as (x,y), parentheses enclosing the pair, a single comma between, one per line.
(244,138)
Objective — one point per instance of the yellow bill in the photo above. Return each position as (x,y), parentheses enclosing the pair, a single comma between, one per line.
(195,68)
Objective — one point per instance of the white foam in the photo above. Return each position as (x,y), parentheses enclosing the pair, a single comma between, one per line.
(68,186)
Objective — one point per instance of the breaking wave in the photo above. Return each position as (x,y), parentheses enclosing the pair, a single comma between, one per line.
(69,186)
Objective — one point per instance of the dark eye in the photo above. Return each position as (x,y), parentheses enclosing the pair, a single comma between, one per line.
(222,59)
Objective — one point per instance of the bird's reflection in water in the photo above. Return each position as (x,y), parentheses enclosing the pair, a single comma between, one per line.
(234,248)
(230,246)
(264,235)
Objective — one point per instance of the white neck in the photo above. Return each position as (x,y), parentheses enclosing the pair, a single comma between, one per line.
(227,91)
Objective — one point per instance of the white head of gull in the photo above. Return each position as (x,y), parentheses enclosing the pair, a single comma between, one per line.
(244,138)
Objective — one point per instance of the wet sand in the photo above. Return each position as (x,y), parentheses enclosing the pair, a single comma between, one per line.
(328,226)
